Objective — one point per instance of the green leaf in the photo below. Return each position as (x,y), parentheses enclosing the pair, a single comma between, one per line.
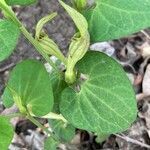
(112,19)
(58,85)
(6,133)
(9,34)
(50,144)
(31,82)
(20,2)
(65,132)
(18,101)
(106,101)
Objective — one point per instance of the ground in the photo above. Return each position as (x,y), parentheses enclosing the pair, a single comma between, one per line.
(132,52)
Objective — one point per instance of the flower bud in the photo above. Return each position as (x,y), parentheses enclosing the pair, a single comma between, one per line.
(80,4)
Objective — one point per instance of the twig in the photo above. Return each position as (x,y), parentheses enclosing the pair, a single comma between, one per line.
(146,34)
(133,141)
(6,67)
(9,111)
(141,96)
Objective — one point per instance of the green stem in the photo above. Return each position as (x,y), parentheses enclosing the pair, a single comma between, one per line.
(38,124)
(14,115)
(54,116)
(13,17)
(7,9)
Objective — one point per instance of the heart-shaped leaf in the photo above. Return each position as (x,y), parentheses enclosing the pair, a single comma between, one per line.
(9,34)
(111,19)
(20,2)
(31,83)
(106,101)
(6,133)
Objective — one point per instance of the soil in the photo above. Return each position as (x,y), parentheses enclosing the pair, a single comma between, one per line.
(129,51)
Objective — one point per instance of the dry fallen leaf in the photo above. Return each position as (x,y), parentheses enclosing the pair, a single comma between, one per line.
(146,81)
(146,113)
(145,49)
(103,47)
(138,79)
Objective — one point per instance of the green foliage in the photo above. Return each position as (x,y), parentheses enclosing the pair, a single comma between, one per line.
(64,131)
(79,45)
(50,144)
(31,82)
(9,34)
(106,102)
(111,19)
(58,85)
(6,132)
(92,91)
(20,2)
(80,4)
